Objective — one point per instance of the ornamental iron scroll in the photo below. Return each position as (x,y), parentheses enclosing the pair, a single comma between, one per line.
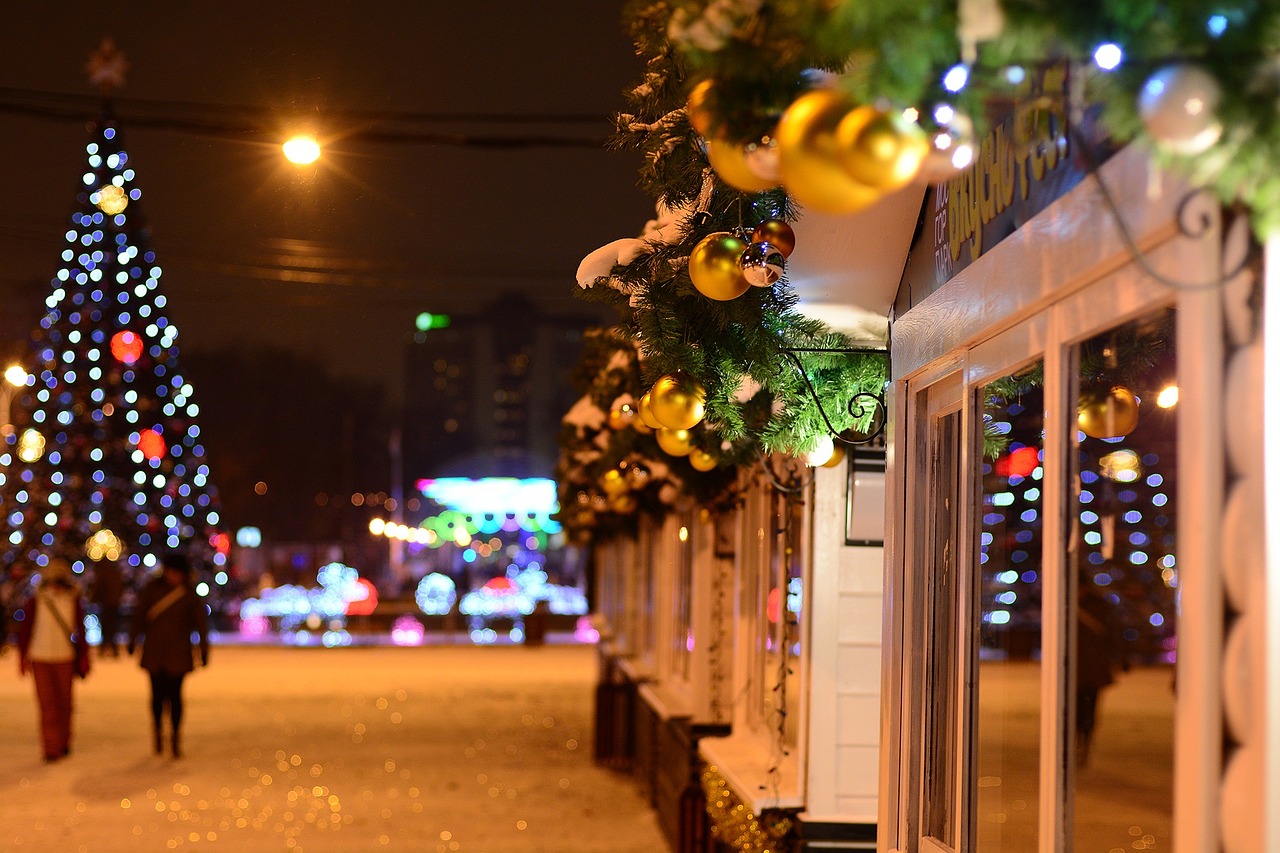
(859,406)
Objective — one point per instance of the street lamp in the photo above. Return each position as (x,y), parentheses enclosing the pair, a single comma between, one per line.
(302,150)
(15,377)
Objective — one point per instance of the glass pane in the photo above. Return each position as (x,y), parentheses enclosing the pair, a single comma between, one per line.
(942,667)
(1007,666)
(1123,561)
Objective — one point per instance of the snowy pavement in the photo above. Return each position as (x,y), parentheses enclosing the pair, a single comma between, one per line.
(437,749)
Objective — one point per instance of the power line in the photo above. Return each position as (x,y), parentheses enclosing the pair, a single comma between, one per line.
(239,121)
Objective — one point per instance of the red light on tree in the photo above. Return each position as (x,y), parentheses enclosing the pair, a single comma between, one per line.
(126,347)
(1018,463)
(151,443)
(221,543)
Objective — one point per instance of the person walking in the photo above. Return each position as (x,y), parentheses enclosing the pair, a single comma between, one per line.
(165,616)
(52,645)
(1100,653)
(105,591)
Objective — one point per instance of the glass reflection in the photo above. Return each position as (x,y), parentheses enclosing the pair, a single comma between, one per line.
(1122,560)
(1007,723)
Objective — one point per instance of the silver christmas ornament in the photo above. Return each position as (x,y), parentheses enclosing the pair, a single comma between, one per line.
(762,264)
(1179,106)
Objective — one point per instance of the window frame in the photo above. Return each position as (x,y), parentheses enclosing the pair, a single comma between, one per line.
(1004,322)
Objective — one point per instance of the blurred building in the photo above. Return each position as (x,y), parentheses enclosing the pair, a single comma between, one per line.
(484,393)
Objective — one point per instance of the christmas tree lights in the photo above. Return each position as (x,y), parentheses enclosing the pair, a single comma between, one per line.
(106,457)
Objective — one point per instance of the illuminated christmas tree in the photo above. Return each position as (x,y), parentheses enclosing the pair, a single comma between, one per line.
(105,457)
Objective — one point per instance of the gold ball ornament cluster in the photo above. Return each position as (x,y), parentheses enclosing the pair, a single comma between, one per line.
(881,149)
(809,152)
(1111,416)
(677,401)
(645,412)
(714,269)
(675,442)
(737,165)
(701,460)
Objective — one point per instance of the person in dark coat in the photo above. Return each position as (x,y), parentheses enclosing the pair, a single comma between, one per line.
(105,591)
(52,646)
(1100,653)
(167,613)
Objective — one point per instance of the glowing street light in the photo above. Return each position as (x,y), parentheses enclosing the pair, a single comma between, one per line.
(301,150)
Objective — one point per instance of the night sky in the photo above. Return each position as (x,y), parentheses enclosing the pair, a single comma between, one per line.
(294,292)
(331,263)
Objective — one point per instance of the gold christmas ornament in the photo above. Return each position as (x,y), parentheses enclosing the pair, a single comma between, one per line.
(676,442)
(677,401)
(620,417)
(837,456)
(622,504)
(614,483)
(729,159)
(881,149)
(713,266)
(810,155)
(640,426)
(701,460)
(776,233)
(699,107)
(111,199)
(1111,416)
(645,410)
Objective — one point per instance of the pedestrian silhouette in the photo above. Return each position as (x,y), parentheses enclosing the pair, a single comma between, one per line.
(105,591)
(51,644)
(167,613)
(1099,654)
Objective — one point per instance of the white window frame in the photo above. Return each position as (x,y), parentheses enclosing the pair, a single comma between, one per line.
(1066,276)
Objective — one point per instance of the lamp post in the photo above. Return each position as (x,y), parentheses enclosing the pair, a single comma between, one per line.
(14,377)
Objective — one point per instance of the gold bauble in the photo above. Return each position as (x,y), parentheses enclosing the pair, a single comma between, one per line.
(699,108)
(701,460)
(777,233)
(623,504)
(1111,416)
(621,417)
(614,483)
(645,410)
(837,456)
(676,442)
(677,401)
(640,426)
(713,266)
(810,155)
(729,159)
(881,149)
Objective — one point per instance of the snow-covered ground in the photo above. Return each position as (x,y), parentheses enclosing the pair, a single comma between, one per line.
(436,749)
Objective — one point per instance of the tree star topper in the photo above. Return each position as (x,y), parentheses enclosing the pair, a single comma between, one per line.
(107,67)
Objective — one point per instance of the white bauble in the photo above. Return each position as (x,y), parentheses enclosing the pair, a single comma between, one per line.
(821,452)
(1179,106)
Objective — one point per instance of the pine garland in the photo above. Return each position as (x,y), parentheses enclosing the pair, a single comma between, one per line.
(896,53)
(737,349)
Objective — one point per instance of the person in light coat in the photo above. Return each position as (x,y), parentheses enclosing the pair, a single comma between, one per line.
(52,645)
(167,613)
